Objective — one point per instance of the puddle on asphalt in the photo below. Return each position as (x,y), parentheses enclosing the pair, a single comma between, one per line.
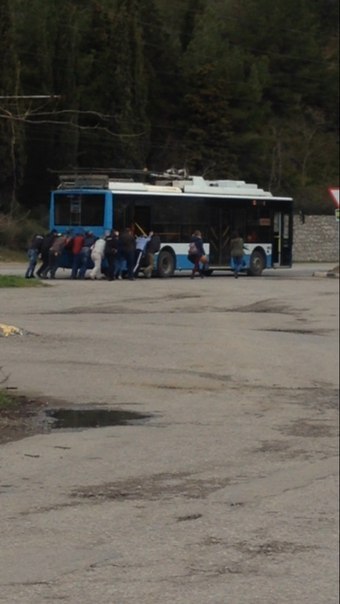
(79,419)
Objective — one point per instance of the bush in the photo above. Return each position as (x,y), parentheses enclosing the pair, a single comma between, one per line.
(17,231)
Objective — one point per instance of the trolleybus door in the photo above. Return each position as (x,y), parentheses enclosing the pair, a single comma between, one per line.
(281,239)
(219,235)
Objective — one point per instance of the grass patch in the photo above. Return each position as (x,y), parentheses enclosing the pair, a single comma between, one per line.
(7,255)
(17,281)
(6,400)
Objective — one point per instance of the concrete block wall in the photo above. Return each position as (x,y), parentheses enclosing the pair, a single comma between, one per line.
(316,240)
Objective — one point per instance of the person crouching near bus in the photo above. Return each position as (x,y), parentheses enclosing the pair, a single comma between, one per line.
(76,248)
(141,243)
(197,255)
(54,255)
(85,254)
(236,252)
(152,247)
(44,252)
(127,247)
(111,249)
(33,253)
(97,256)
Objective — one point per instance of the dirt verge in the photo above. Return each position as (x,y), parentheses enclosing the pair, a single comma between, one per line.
(19,418)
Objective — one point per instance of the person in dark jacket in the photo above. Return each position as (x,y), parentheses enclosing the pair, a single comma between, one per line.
(85,254)
(111,250)
(33,253)
(152,247)
(127,247)
(54,255)
(119,260)
(197,254)
(44,252)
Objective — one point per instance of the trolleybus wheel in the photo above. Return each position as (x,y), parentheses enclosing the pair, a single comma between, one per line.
(166,264)
(257,264)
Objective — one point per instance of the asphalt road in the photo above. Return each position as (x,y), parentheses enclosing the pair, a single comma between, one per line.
(227,494)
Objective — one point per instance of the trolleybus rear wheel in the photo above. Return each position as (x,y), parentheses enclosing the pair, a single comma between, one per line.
(166,264)
(257,264)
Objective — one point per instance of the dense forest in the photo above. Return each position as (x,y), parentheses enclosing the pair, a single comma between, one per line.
(240,89)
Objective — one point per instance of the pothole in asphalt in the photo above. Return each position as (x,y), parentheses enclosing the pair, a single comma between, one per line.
(22,416)
(80,419)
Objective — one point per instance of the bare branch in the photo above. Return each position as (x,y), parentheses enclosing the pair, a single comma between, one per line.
(7,116)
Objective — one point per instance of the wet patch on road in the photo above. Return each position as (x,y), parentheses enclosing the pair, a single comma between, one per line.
(153,488)
(78,419)
(189,517)
(313,332)
(267,306)
(270,548)
(20,418)
(24,417)
(308,429)
(272,446)
(270,305)
(319,396)
(252,558)
(281,450)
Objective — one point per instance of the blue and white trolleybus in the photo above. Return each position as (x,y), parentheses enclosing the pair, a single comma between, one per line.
(174,207)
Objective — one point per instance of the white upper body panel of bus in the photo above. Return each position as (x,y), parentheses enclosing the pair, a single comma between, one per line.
(197,186)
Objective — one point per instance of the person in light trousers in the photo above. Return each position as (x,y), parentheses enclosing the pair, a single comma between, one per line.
(97,255)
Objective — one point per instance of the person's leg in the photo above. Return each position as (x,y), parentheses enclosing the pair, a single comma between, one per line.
(204,265)
(149,268)
(130,265)
(118,266)
(75,265)
(137,263)
(99,266)
(196,267)
(49,264)
(97,261)
(43,266)
(238,266)
(111,267)
(32,258)
(54,265)
(84,258)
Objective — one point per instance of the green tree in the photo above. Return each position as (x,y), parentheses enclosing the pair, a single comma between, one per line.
(114,88)
(164,80)
(230,88)
(36,35)
(11,133)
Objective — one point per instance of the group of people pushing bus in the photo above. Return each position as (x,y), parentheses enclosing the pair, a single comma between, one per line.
(115,255)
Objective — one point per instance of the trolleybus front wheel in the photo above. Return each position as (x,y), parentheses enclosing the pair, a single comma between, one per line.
(165,264)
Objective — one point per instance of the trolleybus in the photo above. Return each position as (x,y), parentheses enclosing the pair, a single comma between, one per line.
(174,207)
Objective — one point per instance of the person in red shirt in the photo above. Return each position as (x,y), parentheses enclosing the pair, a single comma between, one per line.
(77,245)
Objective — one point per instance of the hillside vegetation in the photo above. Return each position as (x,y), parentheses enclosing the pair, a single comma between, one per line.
(240,89)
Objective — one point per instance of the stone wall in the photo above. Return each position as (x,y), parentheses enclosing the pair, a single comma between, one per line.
(316,240)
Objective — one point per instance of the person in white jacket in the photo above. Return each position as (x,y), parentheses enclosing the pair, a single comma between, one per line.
(97,255)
